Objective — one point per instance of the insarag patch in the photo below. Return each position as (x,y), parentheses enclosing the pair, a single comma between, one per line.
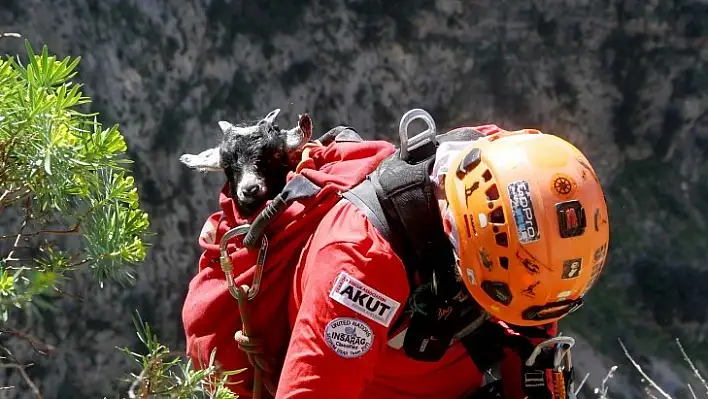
(363,299)
(348,337)
(522,211)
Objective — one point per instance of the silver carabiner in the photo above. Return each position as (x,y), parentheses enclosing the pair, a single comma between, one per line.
(428,135)
(228,267)
(561,358)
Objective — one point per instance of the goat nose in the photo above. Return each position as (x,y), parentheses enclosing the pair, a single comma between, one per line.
(251,190)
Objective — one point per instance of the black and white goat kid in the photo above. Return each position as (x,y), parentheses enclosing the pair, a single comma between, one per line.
(255,158)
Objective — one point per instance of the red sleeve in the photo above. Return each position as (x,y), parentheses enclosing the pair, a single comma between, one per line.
(511,367)
(350,294)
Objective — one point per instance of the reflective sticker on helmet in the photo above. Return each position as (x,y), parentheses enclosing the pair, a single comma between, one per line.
(563,185)
(599,253)
(564,294)
(522,211)
(531,264)
(484,257)
(595,273)
(348,337)
(482,220)
(587,167)
(530,290)
(572,268)
(571,219)
(470,227)
(470,277)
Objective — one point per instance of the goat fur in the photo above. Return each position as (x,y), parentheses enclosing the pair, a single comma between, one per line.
(255,158)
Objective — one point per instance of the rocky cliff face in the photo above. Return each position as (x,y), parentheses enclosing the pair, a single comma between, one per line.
(626,81)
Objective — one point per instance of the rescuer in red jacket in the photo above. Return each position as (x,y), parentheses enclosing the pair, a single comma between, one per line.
(528,220)
(343,314)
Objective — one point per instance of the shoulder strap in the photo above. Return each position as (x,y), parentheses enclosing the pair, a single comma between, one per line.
(398,199)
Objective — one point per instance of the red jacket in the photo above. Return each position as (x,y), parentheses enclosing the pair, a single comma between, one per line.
(347,246)
(348,287)
(348,280)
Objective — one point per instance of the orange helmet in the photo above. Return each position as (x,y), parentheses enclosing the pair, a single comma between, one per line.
(531,225)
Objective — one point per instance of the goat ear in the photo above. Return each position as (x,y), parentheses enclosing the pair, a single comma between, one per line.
(270,118)
(225,126)
(304,122)
(206,161)
(299,135)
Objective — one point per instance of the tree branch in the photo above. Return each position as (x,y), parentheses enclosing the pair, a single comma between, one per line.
(143,381)
(23,373)
(22,229)
(693,394)
(693,367)
(67,294)
(646,377)
(8,196)
(12,363)
(582,383)
(79,263)
(33,341)
(602,391)
(73,230)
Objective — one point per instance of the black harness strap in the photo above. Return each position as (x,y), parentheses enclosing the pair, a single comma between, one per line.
(339,134)
(361,196)
(399,200)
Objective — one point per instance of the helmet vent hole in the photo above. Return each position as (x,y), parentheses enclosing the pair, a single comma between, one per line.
(487,175)
(492,193)
(502,240)
(504,261)
(498,291)
(497,216)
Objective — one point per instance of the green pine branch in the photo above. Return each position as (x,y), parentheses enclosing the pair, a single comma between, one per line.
(68,203)
(165,374)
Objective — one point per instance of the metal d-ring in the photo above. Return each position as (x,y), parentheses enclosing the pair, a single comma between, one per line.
(228,267)
(419,139)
